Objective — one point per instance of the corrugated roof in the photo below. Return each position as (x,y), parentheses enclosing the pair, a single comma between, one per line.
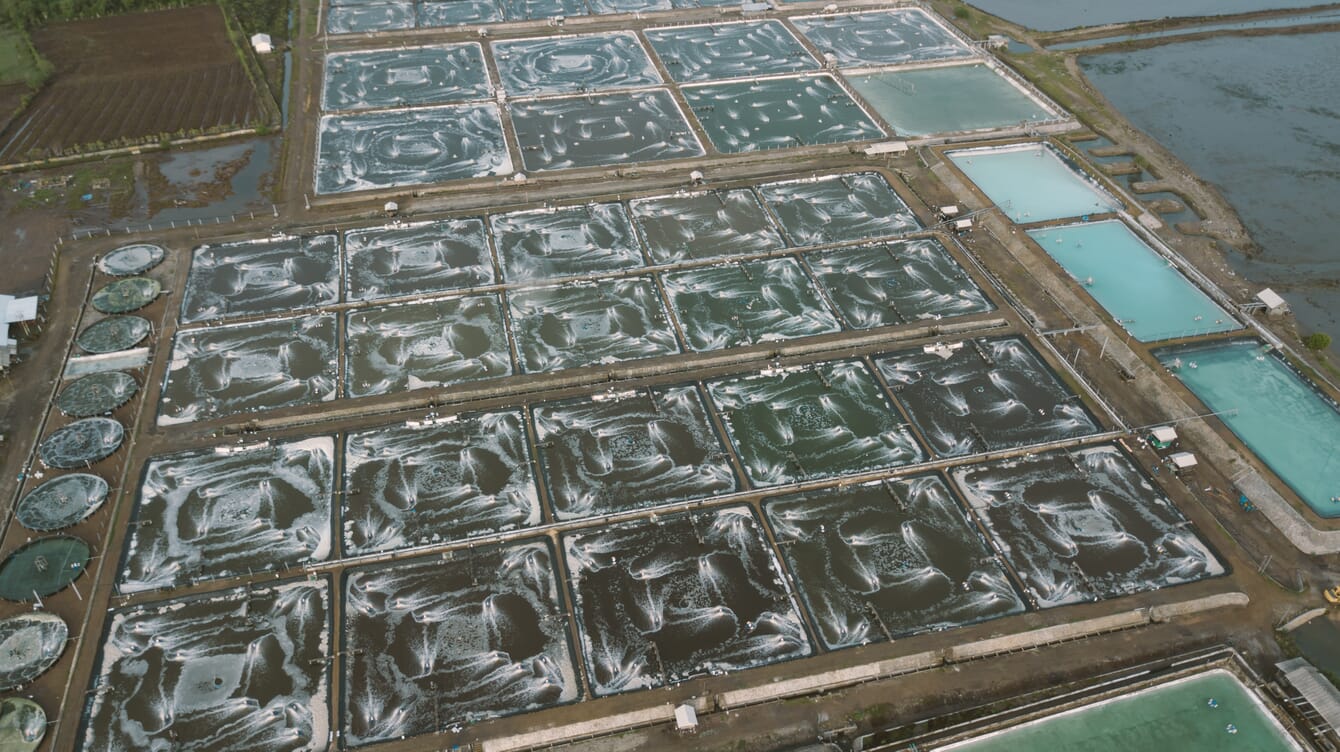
(1319,693)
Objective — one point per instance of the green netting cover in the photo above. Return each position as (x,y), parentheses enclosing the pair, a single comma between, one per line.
(131,259)
(29,645)
(61,502)
(23,723)
(113,334)
(81,443)
(126,295)
(97,394)
(44,567)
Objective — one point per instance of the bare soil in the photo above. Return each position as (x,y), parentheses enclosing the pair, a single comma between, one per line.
(133,77)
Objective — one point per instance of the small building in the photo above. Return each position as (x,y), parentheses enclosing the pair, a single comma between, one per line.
(1163,437)
(1275,305)
(1182,461)
(962,225)
(13,311)
(1311,694)
(891,148)
(391,208)
(686,719)
(261,43)
(949,212)
(997,41)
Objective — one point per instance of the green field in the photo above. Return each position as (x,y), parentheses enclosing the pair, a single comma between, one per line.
(18,64)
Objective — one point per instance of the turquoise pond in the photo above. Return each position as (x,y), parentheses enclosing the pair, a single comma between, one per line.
(1178,716)
(1132,281)
(1032,183)
(948,99)
(1281,417)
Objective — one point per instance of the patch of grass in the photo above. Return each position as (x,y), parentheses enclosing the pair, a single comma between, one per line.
(111,184)
(19,62)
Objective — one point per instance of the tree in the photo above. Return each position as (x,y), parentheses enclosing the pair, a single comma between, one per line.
(1317,341)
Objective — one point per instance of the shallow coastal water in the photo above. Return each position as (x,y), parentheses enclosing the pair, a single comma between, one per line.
(1257,117)
(1050,16)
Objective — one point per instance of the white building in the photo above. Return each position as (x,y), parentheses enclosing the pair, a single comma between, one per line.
(13,311)
(262,44)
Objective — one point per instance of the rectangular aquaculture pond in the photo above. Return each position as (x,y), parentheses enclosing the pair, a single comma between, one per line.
(659,601)
(356,16)
(239,368)
(709,52)
(895,283)
(589,323)
(747,302)
(819,421)
(1290,424)
(405,76)
(573,64)
(1084,524)
(444,480)
(904,35)
(406,346)
(1208,712)
(239,670)
(947,99)
(707,224)
(779,113)
(360,16)
(838,208)
(426,257)
(888,559)
(574,241)
(1033,183)
(602,129)
(615,453)
(458,638)
(396,148)
(984,395)
(230,511)
(1134,283)
(271,275)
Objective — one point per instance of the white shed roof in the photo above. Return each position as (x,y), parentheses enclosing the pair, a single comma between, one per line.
(14,310)
(1183,460)
(1165,434)
(888,147)
(686,719)
(1270,298)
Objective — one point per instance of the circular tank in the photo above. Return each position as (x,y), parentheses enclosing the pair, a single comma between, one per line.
(29,645)
(41,568)
(61,502)
(131,259)
(113,334)
(97,394)
(126,295)
(81,443)
(23,724)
